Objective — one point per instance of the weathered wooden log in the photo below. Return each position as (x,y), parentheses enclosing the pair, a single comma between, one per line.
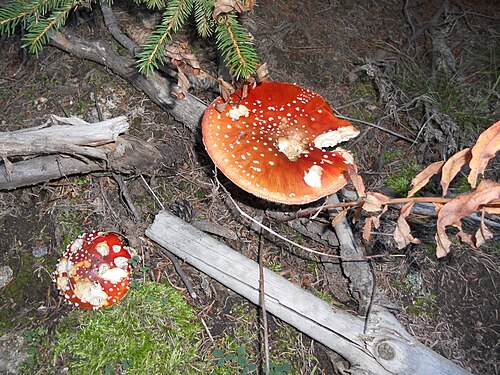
(73,147)
(381,350)
(63,135)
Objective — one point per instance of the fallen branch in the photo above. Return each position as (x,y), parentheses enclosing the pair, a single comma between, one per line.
(63,135)
(385,348)
(156,87)
(69,147)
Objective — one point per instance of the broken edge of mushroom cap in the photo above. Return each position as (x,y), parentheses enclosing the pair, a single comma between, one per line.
(279,143)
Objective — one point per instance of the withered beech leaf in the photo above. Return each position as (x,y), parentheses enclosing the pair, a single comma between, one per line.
(227,6)
(357,214)
(423,177)
(453,211)
(357,181)
(262,73)
(452,167)
(467,238)
(181,52)
(402,233)
(374,201)
(483,234)
(485,148)
(226,89)
(184,85)
(342,214)
(367,229)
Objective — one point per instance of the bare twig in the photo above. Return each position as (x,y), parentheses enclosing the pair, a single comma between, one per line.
(269,230)
(172,257)
(126,198)
(394,201)
(265,327)
(374,126)
(114,29)
(177,266)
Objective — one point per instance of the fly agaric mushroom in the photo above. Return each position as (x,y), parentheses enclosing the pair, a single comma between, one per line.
(94,271)
(277,143)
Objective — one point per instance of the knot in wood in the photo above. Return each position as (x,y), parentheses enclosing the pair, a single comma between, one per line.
(386,351)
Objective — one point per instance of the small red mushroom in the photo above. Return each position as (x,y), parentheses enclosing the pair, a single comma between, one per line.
(278,143)
(94,271)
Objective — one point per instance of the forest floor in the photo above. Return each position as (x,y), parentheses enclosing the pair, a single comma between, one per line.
(379,62)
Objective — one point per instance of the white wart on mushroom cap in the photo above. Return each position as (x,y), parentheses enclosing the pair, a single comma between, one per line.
(278,143)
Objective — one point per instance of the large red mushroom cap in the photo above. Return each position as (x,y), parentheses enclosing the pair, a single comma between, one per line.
(278,143)
(94,271)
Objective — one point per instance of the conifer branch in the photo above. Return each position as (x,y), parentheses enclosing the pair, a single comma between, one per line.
(27,12)
(203,10)
(42,17)
(38,32)
(236,47)
(174,17)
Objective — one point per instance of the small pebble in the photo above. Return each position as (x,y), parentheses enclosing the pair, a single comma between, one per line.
(5,275)
(39,251)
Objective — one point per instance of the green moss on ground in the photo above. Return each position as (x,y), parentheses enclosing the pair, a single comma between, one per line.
(151,331)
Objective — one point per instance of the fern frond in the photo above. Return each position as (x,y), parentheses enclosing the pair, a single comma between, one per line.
(39,32)
(236,47)
(174,17)
(203,10)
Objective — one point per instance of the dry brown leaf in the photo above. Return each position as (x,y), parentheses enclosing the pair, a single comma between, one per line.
(357,214)
(376,219)
(485,148)
(402,233)
(406,209)
(342,214)
(452,167)
(466,238)
(477,239)
(228,6)
(262,73)
(374,201)
(182,53)
(453,211)
(184,85)
(483,234)
(226,89)
(367,229)
(357,181)
(423,177)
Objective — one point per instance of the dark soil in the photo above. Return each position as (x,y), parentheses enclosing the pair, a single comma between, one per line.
(451,305)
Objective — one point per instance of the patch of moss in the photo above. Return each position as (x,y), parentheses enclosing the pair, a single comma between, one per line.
(400,180)
(151,331)
(31,278)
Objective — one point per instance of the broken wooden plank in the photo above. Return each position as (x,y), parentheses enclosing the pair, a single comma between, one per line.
(380,351)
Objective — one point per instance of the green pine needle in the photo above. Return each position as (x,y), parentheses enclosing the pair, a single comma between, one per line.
(203,10)
(235,45)
(26,12)
(39,32)
(174,17)
(41,18)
